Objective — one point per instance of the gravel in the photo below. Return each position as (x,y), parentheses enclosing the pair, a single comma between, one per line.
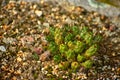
(22,38)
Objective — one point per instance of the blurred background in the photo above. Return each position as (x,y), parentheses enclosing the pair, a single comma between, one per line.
(110,8)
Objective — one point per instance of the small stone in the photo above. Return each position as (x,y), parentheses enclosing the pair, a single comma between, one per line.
(19,59)
(18,72)
(24,64)
(55,9)
(68,20)
(46,24)
(38,50)
(14,78)
(12,49)
(39,23)
(34,6)
(109,67)
(2,48)
(38,13)
(3,68)
(45,55)
(113,54)
(12,2)
(113,69)
(14,12)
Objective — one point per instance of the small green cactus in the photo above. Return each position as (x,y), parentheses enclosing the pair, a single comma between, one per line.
(57,58)
(63,65)
(62,48)
(53,47)
(72,45)
(88,38)
(91,51)
(74,65)
(87,64)
(70,55)
(84,30)
(68,37)
(58,39)
(79,47)
(80,58)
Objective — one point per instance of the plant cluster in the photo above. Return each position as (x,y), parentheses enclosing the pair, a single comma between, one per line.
(72,47)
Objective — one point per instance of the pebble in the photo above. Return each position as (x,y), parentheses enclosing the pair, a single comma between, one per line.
(109,67)
(19,59)
(32,65)
(9,40)
(14,78)
(2,48)
(68,20)
(38,13)
(45,55)
(46,24)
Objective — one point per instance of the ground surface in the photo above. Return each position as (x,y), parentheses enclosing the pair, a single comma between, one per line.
(21,38)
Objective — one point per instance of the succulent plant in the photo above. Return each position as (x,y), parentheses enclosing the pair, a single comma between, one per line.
(63,65)
(53,47)
(83,31)
(70,55)
(74,65)
(58,39)
(91,51)
(68,37)
(79,47)
(72,45)
(80,58)
(88,38)
(87,64)
(62,48)
(57,58)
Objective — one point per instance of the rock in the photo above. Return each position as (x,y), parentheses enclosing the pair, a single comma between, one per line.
(38,13)
(19,59)
(45,55)
(2,48)
(46,24)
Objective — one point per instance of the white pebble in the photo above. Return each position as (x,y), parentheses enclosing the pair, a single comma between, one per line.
(2,48)
(38,13)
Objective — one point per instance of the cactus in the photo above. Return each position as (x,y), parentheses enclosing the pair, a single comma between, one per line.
(72,45)
(74,66)
(80,58)
(91,51)
(62,48)
(80,46)
(70,55)
(68,37)
(52,47)
(88,38)
(57,58)
(63,65)
(87,64)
